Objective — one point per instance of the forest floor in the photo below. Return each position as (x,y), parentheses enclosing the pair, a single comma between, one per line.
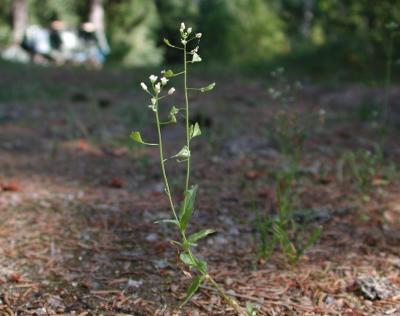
(78,199)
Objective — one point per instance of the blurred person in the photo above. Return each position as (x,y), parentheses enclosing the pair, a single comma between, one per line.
(36,42)
(94,50)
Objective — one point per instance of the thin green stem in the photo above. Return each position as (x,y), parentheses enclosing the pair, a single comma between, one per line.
(187,117)
(162,162)
(228,299)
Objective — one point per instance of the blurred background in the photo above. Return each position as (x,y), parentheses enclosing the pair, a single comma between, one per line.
(306,35)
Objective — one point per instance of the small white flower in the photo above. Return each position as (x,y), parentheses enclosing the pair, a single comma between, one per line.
(144,87)
(153,78)
(157,88)
(189,30)
(182,27)
(199,35)
(196,58)
(184,42)
(195,50)
(153,101)
(164,81)
(171,91)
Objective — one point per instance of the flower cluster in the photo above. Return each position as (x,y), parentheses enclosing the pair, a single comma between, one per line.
(185,39)
(156,90)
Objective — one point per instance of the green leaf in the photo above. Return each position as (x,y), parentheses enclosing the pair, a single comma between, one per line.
(195,130)
(201,234)
(208,88)
(311,240)
(167,221)
(187,206)
(288,247)
(192,289)
(184,153)
(186,259)
(135,136)
(392,26)
(249,309)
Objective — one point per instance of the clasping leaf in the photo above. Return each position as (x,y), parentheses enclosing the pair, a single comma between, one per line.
(187,206)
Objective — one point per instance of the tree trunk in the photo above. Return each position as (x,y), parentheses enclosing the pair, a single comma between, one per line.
(96,17)
(20,19)
(308,16)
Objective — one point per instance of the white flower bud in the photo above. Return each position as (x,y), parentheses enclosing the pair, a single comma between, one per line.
(157,88)
(164,81)
(199,35)
(144,87)
(182,27)
(184,42)
(171,91)
(153,101)
(153,78)
(189,30)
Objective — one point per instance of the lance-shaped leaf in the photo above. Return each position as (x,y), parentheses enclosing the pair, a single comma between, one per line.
(201,234)
(208,88)
(187,206)
(183,154)
(195,130)
(138,138)
(167,221)
(192,289)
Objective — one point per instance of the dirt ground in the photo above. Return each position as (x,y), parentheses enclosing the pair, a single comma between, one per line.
(78,200)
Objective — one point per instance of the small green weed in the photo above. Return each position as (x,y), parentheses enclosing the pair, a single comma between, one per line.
(182,217)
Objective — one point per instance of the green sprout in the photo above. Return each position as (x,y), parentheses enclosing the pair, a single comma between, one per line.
(182,217)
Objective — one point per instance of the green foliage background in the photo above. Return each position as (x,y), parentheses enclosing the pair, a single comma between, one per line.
(237,31)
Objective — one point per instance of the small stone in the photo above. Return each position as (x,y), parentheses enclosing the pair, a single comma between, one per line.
(373,288)
(134,283)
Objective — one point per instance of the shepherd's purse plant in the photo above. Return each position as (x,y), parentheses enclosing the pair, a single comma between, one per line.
(158,91)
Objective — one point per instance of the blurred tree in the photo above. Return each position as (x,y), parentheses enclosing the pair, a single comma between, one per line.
(5,22)
(133,26)
(96,17)
(20,20)
(42,12)
(241,30)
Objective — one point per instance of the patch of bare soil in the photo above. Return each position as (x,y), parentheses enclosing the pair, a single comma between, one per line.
(78,205)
